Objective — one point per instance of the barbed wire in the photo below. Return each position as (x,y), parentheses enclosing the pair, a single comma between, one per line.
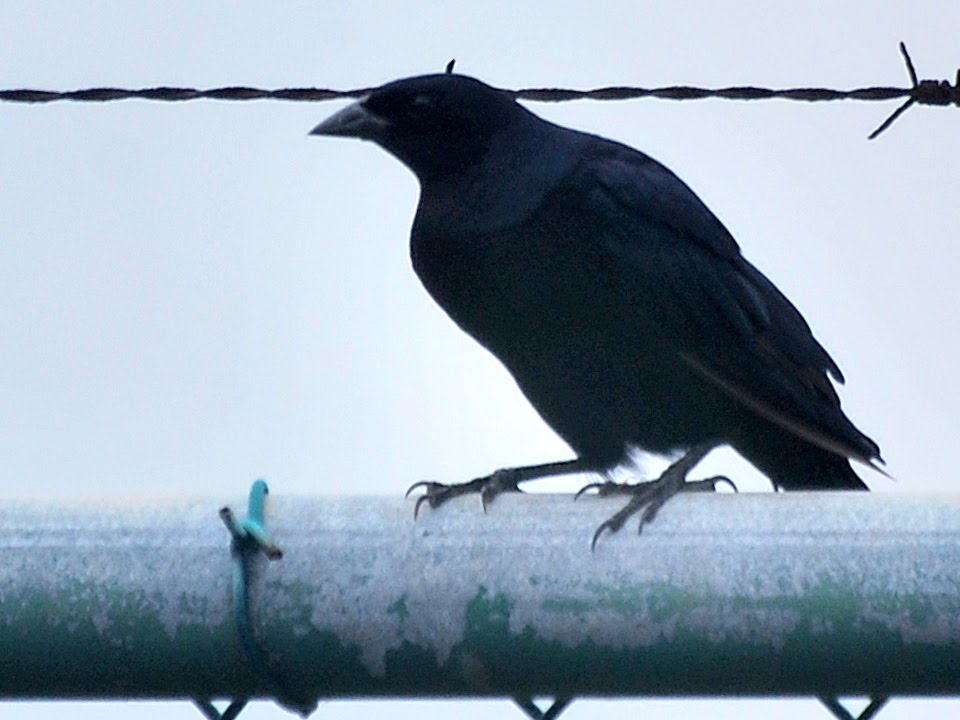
(922,92)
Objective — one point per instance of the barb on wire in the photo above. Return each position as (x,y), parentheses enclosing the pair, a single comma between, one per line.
(839,711)
(533,711)
(923,92)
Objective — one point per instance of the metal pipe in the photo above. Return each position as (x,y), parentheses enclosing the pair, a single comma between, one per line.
(766,594)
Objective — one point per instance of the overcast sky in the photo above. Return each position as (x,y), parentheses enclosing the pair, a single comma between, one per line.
(193,295)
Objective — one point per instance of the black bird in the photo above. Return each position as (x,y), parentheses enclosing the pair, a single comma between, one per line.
(619,303)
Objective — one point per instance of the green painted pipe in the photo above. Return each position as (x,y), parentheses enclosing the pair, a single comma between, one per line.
(746,595)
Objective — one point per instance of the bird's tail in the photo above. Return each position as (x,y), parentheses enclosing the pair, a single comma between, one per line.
(791,463)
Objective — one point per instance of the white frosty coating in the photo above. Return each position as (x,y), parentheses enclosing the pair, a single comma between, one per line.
(169,559)
(720,568)
(727,568)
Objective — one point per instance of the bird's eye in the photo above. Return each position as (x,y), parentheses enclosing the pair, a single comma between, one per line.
(424,102)
(421,106)
(405,107)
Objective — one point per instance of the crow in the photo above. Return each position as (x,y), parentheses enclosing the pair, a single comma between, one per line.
(617,300)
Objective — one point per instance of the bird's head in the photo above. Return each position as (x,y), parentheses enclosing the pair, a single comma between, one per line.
(434,124)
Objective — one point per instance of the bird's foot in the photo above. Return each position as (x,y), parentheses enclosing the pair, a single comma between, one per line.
(489,486)
(648,497)
(607,488)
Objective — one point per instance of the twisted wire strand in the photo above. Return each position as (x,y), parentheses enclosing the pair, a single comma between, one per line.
(922,92)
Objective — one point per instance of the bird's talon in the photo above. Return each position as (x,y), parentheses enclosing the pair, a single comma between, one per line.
(597,534)
(649,513)
(722,479)
(434,494)
(587,488)
(415,486)
(488,487)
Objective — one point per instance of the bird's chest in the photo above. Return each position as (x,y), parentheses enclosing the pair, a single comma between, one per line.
(520,287)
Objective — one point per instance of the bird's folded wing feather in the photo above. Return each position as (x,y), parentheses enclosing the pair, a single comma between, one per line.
(724,319)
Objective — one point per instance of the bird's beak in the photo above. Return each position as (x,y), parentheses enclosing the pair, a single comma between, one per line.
(352,121)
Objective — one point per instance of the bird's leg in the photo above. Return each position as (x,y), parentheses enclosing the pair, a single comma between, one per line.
(489,486)
(650,496)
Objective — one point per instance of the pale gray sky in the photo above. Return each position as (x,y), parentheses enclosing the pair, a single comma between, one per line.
(193,295)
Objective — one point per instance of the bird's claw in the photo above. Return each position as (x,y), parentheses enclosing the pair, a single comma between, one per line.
(651,499)
(488,487)
(605,525)
(648,497)
(710,484)
(434,494)
(605,488)
(598,486)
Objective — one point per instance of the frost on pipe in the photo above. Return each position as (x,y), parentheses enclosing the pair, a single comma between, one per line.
(766,594)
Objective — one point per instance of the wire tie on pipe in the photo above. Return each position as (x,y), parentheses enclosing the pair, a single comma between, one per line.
(249,537)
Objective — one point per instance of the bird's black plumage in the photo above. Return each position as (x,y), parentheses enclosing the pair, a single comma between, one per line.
(620,304)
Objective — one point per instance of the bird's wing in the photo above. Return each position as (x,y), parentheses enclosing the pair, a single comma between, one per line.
(726,320)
